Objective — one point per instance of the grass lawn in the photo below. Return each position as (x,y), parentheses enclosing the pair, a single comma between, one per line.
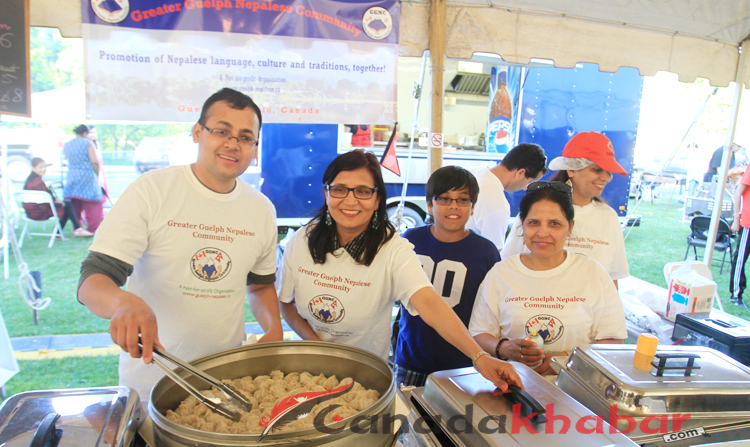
(661,238)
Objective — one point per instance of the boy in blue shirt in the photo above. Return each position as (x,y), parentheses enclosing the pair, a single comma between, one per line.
(456,261)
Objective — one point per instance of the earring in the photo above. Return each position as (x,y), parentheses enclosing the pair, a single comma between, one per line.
(375,223)
(329,222)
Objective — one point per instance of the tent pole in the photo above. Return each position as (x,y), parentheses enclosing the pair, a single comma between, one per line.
(726,156)
(6,219)
(438,10)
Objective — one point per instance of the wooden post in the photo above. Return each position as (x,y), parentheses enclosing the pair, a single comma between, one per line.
(437,69)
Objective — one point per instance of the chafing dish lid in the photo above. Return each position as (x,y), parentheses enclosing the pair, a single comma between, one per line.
(464,392)
(720,385)
(87,417)
(717,371)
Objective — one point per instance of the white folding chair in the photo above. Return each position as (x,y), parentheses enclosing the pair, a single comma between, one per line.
(22,197)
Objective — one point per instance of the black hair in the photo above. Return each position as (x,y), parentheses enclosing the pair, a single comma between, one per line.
(235,99)
(562,199)
(32,175)
(320,236)
(562,176)
(82,129)
(527,156)
(449,178)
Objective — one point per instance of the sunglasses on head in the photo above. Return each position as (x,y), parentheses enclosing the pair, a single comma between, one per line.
(557,186)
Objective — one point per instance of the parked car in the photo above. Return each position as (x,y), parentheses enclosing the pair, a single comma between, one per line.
(152,153)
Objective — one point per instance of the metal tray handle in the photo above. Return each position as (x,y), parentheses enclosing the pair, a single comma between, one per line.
(528,404)
(46,434)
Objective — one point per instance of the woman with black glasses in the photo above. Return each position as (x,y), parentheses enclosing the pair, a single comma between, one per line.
(565,298)
(587,164)
(344,270)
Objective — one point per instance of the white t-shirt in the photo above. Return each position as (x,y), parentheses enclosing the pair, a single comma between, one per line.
(350,303)
(575,303)
(192,250)
(492,210)
(597,234)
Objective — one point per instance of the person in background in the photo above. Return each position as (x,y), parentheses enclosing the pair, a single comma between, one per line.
(361,135)
(455,260)
(102,173)
(187,275)
(524,164)
(568,299)
(715,163)
(344,270)
(740,225)
(587,164)
(42,211)
(82,180)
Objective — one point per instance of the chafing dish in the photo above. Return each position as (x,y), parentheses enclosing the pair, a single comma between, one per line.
(71,418)
(461,408)
(364,429)
(709,401)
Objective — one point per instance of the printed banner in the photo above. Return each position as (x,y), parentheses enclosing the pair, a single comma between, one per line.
(311,61)
(504,91)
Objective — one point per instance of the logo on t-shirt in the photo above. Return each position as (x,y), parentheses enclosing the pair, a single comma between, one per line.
(549,327)
(210,264)
(326,309)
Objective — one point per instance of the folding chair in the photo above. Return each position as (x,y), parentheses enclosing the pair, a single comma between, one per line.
(699,229)
(42,197)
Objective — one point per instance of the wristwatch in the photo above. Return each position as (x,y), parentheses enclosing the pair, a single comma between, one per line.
(497,349)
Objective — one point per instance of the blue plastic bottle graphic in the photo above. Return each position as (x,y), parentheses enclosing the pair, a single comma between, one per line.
(501,113)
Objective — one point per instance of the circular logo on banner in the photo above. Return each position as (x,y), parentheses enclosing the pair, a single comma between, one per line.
(326,309)
(547,326)
(111,11)
(377,23)
(210,264)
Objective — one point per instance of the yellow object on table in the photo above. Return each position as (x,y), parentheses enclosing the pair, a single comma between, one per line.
(645,351)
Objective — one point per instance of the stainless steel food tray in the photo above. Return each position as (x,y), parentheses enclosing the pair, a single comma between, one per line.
(449,396)
(84,417)
(715,397)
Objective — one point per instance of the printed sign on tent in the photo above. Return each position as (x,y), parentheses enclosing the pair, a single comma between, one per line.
(312,61)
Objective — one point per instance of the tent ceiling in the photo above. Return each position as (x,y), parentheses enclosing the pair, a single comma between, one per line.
(693,38)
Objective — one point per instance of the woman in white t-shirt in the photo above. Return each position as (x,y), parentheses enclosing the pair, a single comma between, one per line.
(587,164)
(344,270)
(566,298)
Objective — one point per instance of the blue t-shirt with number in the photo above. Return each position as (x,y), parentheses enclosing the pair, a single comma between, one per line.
(456,270)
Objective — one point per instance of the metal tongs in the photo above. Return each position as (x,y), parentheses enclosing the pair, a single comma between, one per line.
(215,404)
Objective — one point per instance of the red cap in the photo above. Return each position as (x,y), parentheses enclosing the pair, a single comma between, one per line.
(595,147)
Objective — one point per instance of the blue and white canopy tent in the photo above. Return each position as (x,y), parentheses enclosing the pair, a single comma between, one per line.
(692,38)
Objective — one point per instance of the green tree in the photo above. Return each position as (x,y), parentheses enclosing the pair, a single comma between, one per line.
(55,61)
(119,137)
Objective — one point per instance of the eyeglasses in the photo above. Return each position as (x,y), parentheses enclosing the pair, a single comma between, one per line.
(244,141)
(557,186)
(446,201)
(360,192)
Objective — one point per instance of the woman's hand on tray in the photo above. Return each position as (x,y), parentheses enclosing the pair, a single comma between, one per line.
(498,372)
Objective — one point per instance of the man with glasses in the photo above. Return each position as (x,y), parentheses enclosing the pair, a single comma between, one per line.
(524,164)
(193,240)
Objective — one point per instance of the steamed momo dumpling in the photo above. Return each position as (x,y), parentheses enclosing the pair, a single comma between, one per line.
(264,392)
